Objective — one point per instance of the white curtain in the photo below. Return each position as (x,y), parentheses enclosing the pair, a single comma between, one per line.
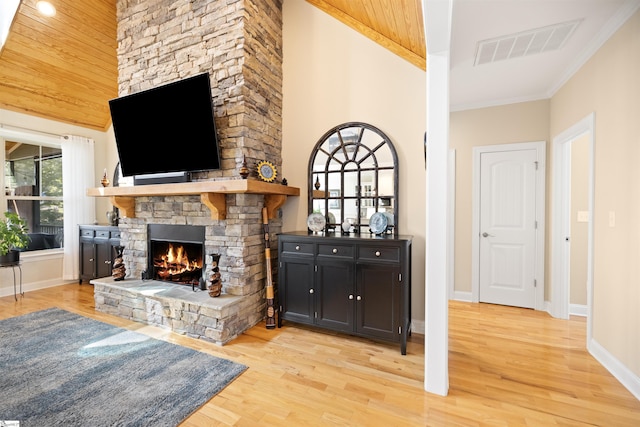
(78,173)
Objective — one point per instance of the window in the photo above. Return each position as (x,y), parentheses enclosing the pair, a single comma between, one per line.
(33,190)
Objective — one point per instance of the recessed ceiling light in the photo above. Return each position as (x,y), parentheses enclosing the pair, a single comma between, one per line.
(46,8)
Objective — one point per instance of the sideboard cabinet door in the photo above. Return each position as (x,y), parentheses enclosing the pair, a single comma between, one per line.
(296,292)
(378,306)
(87,258)
(335,294)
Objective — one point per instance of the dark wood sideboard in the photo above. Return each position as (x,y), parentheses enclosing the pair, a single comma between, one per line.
(97,250)
(359,284)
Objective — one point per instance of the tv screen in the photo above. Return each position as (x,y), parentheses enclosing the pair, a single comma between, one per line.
(169,128)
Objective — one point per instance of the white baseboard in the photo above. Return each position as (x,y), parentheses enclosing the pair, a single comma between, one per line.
(462,296)
(417,326)
(578,310)
(628,379)
(33,286)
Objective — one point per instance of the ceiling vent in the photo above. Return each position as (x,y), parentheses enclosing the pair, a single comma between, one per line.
(526,43)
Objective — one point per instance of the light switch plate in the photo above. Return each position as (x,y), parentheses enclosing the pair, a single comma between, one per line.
(583,216)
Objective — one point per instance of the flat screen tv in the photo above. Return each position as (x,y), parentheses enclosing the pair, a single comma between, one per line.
(167,129)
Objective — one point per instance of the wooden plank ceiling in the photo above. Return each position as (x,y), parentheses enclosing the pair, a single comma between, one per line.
(65,67)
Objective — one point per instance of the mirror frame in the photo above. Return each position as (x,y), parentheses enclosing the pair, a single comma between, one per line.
(357,154)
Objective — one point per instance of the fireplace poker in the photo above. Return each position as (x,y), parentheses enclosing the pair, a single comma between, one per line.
(271,310)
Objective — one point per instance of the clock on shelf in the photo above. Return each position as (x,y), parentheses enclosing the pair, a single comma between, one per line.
(267,171)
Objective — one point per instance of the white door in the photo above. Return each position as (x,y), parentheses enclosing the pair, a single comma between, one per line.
(507,241)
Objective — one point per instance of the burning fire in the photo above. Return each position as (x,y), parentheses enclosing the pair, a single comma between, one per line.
(176,262)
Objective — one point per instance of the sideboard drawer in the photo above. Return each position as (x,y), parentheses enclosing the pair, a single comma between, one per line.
(102,234)
(86,233)
(297,248)
(376,253)
(336,250)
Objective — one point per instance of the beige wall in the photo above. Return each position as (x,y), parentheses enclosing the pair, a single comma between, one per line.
(110,160)
(37,272)
(609,86)
(334,75)
(579,228)
(524,122)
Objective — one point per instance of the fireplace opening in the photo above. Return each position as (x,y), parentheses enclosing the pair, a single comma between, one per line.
(176,262)
(176,253)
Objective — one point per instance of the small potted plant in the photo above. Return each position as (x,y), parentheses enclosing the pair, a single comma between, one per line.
(13,236)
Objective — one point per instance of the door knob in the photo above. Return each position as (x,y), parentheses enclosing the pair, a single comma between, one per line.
(485,234)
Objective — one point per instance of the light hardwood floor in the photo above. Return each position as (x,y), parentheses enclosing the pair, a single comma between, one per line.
(508,367)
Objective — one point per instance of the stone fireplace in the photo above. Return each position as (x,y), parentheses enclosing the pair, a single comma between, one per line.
(239,44)
(238,238)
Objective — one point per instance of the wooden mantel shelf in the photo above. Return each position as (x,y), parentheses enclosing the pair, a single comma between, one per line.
(212,194)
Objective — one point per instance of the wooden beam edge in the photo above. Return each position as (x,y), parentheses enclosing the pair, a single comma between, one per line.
(273,202)
(215,201)
(127,205)
(217,204)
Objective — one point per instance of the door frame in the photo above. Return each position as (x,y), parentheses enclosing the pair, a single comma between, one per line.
(540,147)
(561,219)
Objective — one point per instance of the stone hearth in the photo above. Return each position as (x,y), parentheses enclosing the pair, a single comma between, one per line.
(178,308)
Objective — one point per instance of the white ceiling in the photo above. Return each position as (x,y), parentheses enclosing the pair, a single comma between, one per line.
(532,77)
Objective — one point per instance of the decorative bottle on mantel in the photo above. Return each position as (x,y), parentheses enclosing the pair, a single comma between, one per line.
(105,180)
(244,170)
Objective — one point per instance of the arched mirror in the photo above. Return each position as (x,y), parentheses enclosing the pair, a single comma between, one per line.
(353,174)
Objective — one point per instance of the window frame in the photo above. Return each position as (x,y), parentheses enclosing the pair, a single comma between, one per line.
(32,138)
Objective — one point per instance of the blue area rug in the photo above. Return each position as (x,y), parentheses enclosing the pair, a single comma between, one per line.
(59,368)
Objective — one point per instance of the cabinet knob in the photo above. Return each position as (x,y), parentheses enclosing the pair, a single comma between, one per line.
(350,296)
(107,262)
(310,291)
(359,298)
(297,247)
(377,253)
(90,259)
(335,251)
